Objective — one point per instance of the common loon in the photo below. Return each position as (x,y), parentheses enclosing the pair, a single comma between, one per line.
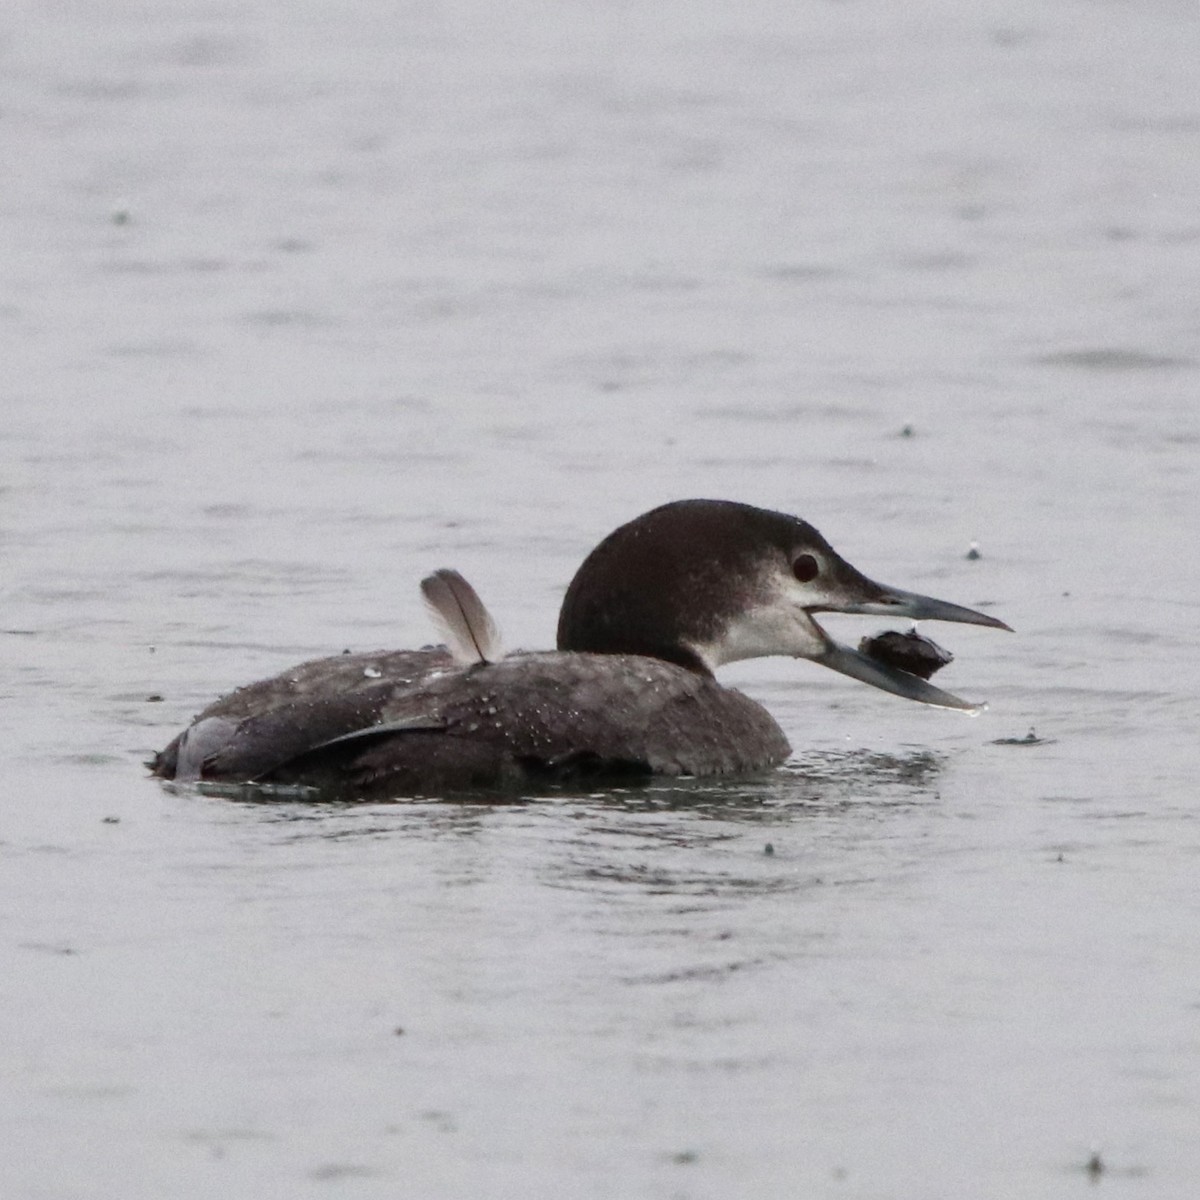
(655,608)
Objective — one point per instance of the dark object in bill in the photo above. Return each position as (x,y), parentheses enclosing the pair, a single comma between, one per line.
(906,652)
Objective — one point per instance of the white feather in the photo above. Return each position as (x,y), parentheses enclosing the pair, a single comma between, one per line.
(466,626)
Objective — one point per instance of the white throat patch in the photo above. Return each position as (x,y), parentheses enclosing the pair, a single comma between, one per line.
(778,629)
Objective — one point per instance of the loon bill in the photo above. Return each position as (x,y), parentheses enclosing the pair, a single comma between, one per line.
(655,608)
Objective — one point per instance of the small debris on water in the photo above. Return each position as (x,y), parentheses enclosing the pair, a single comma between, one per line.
(1094,1167)
(685,1157)
(110,820)
(49,948)
(1030,739)
(154,698)
(973,552)
(399,1031)
(333,1172)
(907,431)
(372,673)
(121,217)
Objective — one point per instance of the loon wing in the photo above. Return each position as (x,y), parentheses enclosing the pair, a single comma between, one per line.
(218,747)
(251,731)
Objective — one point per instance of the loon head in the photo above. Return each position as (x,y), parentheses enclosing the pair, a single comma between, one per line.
(706,582)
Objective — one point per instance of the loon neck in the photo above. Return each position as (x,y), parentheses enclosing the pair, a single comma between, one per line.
(666,651)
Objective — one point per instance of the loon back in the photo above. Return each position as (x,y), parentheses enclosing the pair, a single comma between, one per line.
(528,719)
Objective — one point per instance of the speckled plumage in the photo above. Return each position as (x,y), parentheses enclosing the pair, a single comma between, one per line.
(525,719)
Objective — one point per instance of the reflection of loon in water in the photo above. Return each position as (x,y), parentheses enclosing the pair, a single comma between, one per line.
(654,609)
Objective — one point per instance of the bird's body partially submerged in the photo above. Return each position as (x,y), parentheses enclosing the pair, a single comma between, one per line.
(653,610)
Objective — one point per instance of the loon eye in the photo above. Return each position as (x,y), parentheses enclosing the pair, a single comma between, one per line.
(806,568)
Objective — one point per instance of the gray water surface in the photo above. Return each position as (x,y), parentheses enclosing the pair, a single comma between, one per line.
(300,302)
